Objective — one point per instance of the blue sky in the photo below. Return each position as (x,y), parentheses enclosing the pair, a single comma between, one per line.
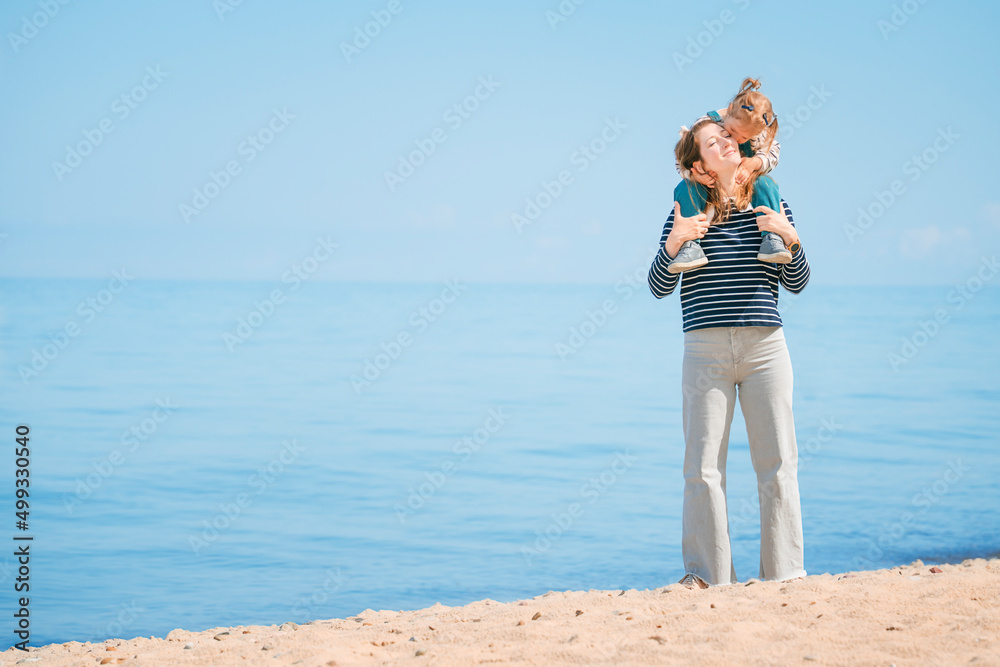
(860,88)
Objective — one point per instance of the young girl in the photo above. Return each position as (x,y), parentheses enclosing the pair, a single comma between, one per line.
(752,123)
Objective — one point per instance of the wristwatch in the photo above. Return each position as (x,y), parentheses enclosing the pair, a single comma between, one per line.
(794,248)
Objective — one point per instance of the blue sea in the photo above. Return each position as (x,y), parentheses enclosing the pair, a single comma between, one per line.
(221,453)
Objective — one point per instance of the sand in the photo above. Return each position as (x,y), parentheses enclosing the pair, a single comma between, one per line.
(908,615)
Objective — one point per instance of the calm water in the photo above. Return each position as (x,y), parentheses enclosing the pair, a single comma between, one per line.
(450,473)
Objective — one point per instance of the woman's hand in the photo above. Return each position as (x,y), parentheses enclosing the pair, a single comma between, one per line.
(773,221)
(684,229)
(748,166)
(706,178)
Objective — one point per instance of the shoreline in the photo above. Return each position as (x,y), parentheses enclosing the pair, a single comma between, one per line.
(907,615)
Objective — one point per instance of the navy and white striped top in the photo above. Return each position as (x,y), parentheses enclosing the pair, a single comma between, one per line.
(734,289)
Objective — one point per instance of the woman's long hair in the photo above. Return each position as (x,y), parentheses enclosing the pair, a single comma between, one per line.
(688,152)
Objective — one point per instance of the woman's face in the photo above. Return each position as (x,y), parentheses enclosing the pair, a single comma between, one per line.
(719,152)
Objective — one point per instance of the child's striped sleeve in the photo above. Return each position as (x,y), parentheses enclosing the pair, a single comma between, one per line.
(770,156)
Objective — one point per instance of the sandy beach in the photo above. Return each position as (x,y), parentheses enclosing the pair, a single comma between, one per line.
(909,615)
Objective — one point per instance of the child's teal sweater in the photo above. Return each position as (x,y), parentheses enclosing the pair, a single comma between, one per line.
(693,196)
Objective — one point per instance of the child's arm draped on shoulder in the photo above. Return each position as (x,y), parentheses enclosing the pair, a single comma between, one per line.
(768,155)
(762,161)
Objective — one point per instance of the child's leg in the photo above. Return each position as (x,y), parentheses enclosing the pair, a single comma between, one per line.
(772,248)
(692,197)
(765,193)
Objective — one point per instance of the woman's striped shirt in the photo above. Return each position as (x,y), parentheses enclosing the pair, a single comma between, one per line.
(734,289)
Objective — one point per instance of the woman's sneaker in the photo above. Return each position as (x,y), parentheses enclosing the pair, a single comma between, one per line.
(772,249)
(690,256)
(693,581)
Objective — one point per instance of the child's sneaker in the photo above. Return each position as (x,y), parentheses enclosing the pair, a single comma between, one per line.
(772,249)
(690,256)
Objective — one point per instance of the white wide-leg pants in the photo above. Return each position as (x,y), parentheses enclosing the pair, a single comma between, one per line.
(720,365)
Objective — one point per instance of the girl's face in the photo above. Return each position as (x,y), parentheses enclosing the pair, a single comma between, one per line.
(740,132)
(719,151)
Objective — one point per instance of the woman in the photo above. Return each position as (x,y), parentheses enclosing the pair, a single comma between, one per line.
(733,346)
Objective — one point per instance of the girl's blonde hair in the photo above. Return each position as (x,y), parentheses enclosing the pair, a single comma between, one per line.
(752,109)
(687,151)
